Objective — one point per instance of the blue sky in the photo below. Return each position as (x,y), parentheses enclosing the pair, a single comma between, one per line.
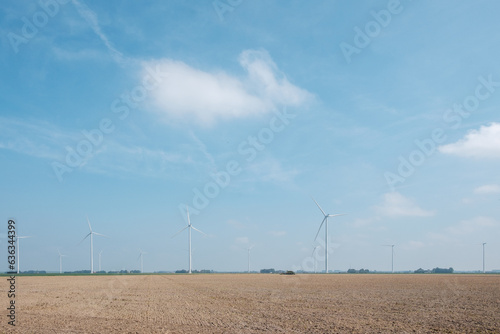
(242,110)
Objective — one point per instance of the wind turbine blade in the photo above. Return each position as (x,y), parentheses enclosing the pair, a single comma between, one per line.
(59,252)
(324,214)
(314,250)
(180,231)
(84,238)
(187,209)
(88,221)
(320,227)
(102,235)
(194,228)
(338,214)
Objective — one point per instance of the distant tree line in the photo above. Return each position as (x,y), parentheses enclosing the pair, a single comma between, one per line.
(436,270)
(360,271)
(203,271)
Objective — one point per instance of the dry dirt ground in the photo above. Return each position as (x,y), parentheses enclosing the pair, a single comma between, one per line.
(256,303)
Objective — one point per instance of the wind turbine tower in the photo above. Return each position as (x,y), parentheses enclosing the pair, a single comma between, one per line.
(325,221)
(60,261)
(392,257)
(484,271)
(140,257)
(248,249)
(189,227)
(18,250)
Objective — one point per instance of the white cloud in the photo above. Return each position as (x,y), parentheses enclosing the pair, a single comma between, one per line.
(205,97)
(487,189)
(482,143)
(395,205)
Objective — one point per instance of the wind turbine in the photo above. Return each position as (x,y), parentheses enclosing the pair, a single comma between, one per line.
(314,257)
(91,234)
(392,261)
(140,257)
(248,249)
(189,227)
(18,252)
(60,260)
(325,221)
(484,243)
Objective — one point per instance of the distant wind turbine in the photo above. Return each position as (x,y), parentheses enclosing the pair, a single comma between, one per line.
(189,227)
(248,249)
(91,234)
(18,251)
(325,221)
(140,257)
(60,260)
(392,258)
(484,271)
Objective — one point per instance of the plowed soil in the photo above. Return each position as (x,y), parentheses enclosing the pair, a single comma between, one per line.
(256,303)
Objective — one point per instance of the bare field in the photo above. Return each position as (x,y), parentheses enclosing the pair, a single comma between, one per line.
(257,303)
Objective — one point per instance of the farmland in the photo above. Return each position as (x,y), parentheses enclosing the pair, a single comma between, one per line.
(257,303)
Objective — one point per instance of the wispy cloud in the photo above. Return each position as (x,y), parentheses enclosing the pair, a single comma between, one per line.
(482,143)
(46,141)
(396,205)
(208,96)
(487,189)
(33,138)
(91,17)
